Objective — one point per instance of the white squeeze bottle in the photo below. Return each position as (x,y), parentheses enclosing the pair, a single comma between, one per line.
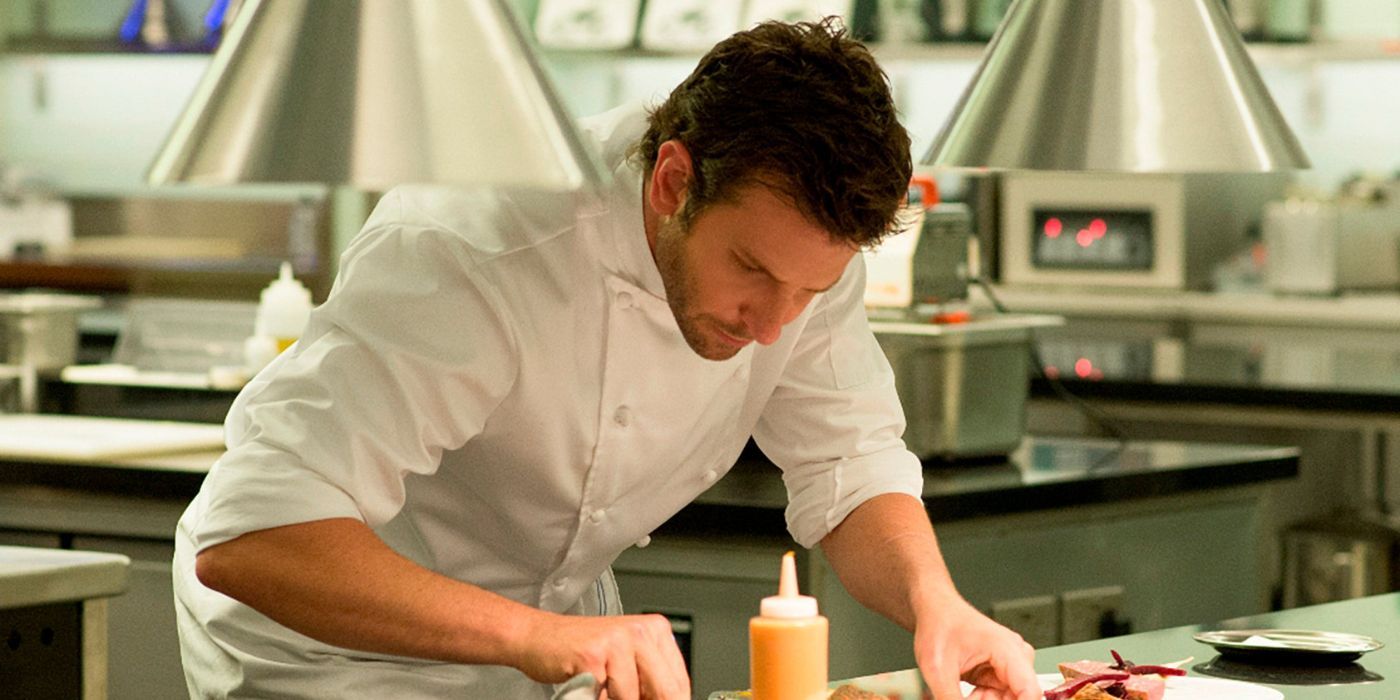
(285,306)
(283,309)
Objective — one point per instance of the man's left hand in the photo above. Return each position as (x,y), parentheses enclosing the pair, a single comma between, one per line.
(956,642)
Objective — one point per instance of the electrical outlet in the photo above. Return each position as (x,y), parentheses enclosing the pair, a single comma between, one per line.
(1036,619)
(1085,613)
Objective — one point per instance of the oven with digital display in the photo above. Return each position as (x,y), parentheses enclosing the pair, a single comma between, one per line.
(1125,230)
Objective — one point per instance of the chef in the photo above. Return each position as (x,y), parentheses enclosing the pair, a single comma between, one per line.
(505,389)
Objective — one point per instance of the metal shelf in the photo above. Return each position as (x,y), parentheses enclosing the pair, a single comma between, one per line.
(71,45)
(1264,53)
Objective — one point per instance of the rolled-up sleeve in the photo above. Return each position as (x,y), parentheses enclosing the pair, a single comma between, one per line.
(834,423)
(408,358)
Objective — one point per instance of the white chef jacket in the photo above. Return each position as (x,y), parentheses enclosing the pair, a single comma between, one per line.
(498,387)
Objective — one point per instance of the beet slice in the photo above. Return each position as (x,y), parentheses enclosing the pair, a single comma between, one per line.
(1122,664)
(1066,690)
(1147,669)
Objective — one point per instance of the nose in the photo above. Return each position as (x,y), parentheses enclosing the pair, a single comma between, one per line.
(764,321)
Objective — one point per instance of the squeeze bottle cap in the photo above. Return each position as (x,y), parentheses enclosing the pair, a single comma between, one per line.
(788,604)
(286,289)
(285,305)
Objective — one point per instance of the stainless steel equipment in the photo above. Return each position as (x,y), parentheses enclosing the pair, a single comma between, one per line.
(962,380)
(925,265)
(39,332)
(376,93)
(963,385)
(1302,240)
(1117,85)
(1126,230)
(1347,556)
(1350,241)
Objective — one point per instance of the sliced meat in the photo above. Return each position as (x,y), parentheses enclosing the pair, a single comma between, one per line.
(1079,669)
(1145,687)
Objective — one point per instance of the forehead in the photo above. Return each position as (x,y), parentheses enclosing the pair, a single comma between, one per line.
(768,226)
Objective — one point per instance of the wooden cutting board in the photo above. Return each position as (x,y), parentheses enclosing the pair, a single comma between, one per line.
(85,438)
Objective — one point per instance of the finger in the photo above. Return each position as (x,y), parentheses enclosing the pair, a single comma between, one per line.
(942,679)
(991,694)
(672,653)
(622,674)
(986,694)
(982,676)
(660,670)
(1017,675)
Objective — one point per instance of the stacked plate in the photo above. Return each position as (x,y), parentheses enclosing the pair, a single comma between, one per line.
(1289,646)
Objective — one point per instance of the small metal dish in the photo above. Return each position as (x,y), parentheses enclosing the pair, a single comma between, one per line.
(1289,646)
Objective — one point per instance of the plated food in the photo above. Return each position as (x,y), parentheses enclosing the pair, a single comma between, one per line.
(1120,680)
(850,692)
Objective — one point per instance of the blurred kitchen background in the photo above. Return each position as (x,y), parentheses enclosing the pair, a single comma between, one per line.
(91,89)
(1268,312)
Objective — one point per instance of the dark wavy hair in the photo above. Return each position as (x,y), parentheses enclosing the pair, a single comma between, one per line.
(800,108)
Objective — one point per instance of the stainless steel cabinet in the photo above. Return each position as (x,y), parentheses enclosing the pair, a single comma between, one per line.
(1348,460)
(143,647)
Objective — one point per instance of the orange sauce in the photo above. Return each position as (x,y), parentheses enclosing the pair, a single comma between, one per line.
(788,658)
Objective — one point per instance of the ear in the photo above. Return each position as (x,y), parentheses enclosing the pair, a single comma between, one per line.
(670,178)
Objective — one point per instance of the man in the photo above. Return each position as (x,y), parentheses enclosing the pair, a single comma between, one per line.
(423,497)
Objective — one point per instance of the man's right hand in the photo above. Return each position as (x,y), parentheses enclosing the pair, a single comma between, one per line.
(634,657)
(336,581)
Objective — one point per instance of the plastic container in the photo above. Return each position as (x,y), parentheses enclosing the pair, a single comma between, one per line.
(284,307)
(788,643)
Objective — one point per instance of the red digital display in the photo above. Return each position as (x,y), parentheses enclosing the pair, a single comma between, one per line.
(1092,239)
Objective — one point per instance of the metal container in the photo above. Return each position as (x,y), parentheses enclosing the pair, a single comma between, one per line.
(39,332)
(1344,557)
(963,385)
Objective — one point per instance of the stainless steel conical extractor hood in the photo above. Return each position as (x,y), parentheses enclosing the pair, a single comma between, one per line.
(375,93)
(1117,85)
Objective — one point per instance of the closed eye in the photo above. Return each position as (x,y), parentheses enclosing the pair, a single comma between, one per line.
(753,267)
(746,265)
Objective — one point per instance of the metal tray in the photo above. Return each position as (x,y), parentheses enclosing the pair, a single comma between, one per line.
(1289,646)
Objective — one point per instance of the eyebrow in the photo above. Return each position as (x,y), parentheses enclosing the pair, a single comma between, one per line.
(753,262)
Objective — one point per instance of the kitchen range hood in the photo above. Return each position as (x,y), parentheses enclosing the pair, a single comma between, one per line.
(1156,86)
(376,93)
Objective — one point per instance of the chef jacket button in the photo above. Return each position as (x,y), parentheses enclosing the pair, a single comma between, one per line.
(597,516)
(624,299)
(560,582)
(711,476)
(646,540)
(622,416)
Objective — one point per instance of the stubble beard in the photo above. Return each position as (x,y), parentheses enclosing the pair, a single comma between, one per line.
(678,278)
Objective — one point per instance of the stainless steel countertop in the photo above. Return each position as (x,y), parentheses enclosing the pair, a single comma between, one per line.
(1378,310)
(36,576)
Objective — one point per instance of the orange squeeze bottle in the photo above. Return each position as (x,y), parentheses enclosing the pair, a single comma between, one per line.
(788,643)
